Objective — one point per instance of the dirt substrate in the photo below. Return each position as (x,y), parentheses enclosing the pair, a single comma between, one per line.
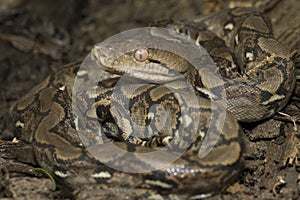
(38,38)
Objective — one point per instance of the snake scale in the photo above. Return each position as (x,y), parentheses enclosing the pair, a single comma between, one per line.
(258,80)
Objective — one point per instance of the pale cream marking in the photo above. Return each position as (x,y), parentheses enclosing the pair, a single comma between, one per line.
(250,56)
(62,88)
(198,39)
(76,122)
(19,124)
(158,183)
(102,175)
(275,97)
(180,119)
(236,38)
(61,174)
(150,115)
(229,26)
(207,92)
(233,66)
(166,140)
(82,73)
(15,140)
(202,134)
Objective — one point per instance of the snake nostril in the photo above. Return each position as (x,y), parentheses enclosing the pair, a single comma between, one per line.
(141,55)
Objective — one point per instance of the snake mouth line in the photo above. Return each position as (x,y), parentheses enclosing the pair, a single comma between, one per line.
(149,73)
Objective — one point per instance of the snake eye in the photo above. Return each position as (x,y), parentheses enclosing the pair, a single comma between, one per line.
(141,55)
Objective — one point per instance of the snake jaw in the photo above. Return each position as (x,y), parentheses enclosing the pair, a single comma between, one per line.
(150,72)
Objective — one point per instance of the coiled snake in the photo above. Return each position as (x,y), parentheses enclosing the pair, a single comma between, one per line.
(257,77)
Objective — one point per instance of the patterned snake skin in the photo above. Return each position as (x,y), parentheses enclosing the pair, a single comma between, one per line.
(257,77)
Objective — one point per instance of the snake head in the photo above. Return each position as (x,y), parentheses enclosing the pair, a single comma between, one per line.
(140,62)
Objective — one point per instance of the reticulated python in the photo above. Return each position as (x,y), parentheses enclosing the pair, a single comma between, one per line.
(258,80)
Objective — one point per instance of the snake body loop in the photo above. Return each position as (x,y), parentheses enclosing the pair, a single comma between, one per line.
(258,78)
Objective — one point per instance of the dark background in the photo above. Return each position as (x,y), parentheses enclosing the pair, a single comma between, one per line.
(39,37)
